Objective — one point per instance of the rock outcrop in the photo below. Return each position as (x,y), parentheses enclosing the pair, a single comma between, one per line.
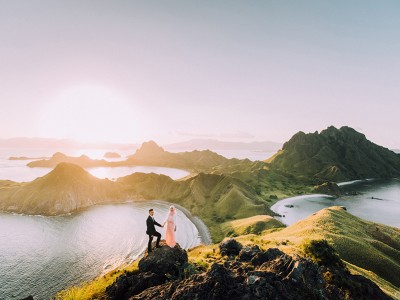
(155,268)
(257,274)
(328,188)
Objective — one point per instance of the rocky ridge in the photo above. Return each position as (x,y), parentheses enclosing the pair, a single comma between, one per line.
(335,155)
(243,273)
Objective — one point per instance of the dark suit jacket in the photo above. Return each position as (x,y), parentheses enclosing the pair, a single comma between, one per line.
(150,226)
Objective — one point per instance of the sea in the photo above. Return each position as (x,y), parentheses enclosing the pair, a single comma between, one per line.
(376,200)
(41,255)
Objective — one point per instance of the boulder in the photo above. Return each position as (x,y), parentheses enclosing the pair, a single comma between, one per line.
(230,247)
(262,257)
(131,284)
(248,252)
(155,268)
(164,261)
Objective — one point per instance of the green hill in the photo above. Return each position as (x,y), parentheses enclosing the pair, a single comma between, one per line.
(66,188)
(367,245)
(213,197)
(256,225)
(335,155)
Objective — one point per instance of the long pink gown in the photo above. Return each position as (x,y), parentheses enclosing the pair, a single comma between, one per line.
(170,230)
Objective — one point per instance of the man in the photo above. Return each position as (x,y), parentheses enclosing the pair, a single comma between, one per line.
(151,230)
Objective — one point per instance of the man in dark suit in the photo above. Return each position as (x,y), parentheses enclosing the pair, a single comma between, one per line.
(151,230)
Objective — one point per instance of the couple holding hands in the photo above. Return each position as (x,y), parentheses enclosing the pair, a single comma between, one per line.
(170,221)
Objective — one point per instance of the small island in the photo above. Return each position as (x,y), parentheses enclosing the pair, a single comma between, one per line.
(112,155)
(26,158)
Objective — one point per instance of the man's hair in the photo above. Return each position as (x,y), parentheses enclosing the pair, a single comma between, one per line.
(150,210)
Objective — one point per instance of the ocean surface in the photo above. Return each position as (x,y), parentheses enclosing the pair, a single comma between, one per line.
(375,200)
(42,255)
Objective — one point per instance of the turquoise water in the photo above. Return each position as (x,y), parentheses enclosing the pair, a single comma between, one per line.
(42,255)
(376,200)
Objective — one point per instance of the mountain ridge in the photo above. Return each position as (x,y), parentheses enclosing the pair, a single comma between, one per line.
(335,155)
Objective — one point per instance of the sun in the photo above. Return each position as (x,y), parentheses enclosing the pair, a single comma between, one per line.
(90,114)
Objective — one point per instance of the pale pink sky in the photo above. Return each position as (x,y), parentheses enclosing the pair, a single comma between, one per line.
(172,70)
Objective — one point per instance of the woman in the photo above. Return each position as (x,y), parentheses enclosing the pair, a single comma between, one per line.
(171,227)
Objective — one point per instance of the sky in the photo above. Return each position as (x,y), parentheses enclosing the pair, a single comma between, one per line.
(131,71)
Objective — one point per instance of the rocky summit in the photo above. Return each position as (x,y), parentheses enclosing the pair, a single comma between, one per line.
(335,155)
(249,273)
(155,268)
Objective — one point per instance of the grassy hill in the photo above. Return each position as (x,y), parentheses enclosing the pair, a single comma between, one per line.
(66,188)
(213,197)
(367,245)
(335,155)
(250,225)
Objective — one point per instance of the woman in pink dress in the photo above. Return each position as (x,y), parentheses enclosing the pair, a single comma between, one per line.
(171,227)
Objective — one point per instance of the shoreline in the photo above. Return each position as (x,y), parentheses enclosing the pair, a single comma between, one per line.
(204,233)
(281,204)
(278,205)
(344,183)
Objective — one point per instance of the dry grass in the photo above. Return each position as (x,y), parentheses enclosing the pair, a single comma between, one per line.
(255,224)
(96,288)
(368,245)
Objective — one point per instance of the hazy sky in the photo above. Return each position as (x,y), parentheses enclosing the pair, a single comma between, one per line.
(175,70)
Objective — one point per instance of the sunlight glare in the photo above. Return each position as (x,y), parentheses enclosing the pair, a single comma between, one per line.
(89,114)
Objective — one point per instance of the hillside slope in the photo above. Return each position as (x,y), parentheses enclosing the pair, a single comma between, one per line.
(370,246)
(66,188)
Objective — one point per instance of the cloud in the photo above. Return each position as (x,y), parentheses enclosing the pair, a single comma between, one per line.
(226,135)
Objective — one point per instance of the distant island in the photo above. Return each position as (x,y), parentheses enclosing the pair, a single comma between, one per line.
(25,158)
(151,154)
(112,155)
(213,144)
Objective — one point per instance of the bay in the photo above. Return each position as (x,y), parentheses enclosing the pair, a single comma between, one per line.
(42,255)
(373,200)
